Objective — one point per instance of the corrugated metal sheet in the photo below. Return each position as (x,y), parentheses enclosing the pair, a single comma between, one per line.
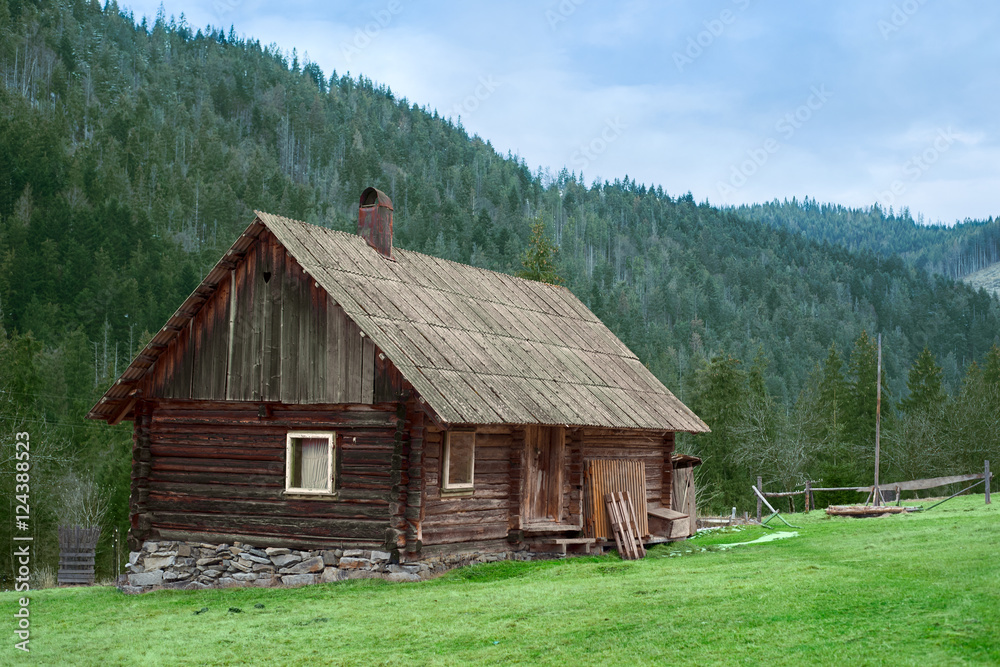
(480,347)
(603,476)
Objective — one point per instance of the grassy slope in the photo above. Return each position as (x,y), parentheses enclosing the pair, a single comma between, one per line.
(915,589)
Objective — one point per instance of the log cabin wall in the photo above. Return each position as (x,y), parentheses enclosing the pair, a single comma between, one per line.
(482,517)
(276,336)
(573,476)
(216,473)
(652,447)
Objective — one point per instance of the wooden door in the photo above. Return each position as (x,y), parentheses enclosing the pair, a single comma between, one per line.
(683,499)
(544,457)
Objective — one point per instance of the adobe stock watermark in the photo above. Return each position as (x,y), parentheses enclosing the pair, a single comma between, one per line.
(597,146)
(918,165)
(366,34)
(21,557)
(702,40)
(481,93)
(899,17)
(225,7)
(561,12)
(786,127)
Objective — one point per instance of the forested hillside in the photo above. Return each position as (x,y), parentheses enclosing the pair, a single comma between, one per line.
(132,155)
(956,251)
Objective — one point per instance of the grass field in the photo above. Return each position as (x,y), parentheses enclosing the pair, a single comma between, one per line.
(909,589)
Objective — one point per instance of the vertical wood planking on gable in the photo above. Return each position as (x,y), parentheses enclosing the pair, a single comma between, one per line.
(242,338)
(180,364)
(258,296)
(387,383)
(303,373)
(281,340)
(335,373)
(322,339)
(266,305)
(291,279)
(230,335)
(367,370)
(211,345)
(271,390)
(353,374)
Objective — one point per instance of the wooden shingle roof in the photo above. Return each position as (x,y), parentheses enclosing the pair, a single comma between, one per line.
(479,347)
(483,347)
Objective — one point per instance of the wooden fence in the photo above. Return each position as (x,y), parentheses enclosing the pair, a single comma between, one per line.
(76,554)
(888,492)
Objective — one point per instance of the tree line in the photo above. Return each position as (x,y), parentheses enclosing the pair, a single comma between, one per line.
(827,436)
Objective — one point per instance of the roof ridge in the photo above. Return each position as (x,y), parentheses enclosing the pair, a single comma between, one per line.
(417,252)
(406,251)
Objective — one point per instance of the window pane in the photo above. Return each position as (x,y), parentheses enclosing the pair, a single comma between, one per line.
(295,465)
(314,463)
(460,457)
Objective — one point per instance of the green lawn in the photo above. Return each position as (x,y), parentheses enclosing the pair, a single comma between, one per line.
(909,589)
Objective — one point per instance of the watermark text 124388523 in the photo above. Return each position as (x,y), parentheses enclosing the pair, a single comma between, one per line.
(22,538)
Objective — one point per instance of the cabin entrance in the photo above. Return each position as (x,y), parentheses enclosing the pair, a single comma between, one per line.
(545,448)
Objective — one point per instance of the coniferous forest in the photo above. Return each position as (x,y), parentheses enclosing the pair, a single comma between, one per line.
(133,153)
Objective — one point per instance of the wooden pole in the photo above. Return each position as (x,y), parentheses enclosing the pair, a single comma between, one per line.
(878,419)
(762,498)
(987,477)
(760,485)
(808,496)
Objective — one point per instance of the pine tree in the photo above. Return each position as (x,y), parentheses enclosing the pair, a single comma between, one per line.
(538,259)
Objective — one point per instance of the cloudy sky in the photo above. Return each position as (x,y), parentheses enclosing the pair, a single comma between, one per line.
(853,102)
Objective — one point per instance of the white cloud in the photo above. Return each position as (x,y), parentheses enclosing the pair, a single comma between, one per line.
(544,91)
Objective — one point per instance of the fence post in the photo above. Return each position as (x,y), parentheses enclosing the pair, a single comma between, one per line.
(987,480)
(759,486)
(808,496)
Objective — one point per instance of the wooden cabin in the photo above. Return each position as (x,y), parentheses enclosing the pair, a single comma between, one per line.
(324,390)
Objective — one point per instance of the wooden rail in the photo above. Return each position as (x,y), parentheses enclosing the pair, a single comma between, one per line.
(913,485)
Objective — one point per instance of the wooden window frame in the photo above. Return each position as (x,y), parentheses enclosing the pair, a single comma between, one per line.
(446,484)
(331,452)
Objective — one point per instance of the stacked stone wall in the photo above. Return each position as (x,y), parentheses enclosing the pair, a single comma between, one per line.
(197,565)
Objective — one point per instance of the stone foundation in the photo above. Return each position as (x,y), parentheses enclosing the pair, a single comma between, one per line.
(196,565)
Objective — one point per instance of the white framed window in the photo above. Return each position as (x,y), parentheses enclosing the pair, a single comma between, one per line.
(309,462)
(459,460)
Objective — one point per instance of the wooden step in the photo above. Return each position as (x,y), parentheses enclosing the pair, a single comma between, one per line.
(575,540)
(550,527)
(560,545)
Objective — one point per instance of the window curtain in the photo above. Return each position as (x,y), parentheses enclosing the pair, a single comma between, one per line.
(315,468)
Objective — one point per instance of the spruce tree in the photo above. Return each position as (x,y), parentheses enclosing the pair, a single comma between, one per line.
(720,397)
(538,259)
(926,387)
(859,422)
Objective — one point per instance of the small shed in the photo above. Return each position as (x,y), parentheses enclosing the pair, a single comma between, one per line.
(324,390)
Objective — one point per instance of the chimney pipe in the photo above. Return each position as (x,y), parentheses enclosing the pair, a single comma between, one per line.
(375,220)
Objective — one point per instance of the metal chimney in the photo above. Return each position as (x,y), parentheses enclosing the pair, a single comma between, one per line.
(375,220)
